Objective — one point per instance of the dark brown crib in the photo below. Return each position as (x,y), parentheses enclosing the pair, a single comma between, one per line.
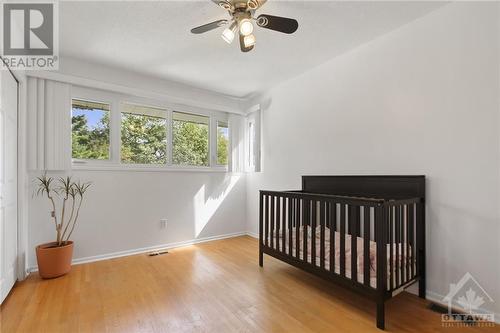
(335,223)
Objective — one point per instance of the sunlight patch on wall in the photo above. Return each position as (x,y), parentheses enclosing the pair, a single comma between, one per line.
(207,201)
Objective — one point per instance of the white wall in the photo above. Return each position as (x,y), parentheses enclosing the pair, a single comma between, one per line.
(423,99)
(123,209)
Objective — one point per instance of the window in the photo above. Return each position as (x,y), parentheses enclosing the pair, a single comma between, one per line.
(251,144)
(252,135)
(222,142)
(116,131)
(90,130)
(190,136)
(143,135)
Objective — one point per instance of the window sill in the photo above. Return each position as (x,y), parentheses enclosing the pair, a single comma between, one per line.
(145,168)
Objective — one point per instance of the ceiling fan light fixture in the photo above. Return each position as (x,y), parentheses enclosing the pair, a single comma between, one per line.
(249,41)
(228,33)
(241,25)
(246,27)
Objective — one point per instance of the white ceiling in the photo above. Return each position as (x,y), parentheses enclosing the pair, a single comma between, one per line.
(153,38)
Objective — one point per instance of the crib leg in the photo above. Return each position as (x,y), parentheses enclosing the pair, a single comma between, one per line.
(261,258)
(421,288)
(421,282)
(380,315)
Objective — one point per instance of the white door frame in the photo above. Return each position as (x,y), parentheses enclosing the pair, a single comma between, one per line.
(15,257)
(22,178)
(22,190)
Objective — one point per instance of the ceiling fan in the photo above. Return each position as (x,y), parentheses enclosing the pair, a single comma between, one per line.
(242,14)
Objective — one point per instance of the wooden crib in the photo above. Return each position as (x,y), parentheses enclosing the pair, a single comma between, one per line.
(331,226)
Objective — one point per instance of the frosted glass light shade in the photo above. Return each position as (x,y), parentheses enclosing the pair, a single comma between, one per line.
(249,40)
(246,27)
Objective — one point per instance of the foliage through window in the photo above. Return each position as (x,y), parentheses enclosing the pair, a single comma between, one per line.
(90,130)
(135,134)
(222,143)
(190,136)
(143,135)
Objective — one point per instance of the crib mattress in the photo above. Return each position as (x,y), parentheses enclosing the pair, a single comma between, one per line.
(403,256)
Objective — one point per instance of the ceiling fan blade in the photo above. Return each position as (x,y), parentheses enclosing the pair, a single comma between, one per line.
(277,23)
(209,26)
(242,45)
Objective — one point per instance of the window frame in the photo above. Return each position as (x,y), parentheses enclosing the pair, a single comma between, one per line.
(253,142)
(216,157)
(167,128)
(83,95)
(116,102)
(210,131)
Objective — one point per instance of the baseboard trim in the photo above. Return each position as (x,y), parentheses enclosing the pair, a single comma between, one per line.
(132,252)
(251,234)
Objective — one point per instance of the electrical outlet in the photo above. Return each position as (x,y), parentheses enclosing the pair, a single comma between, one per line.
(163,223)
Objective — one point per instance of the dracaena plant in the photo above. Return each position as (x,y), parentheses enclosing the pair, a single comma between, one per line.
(71,194)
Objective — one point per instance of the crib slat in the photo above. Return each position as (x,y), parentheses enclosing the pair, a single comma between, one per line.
(308,227)
(278,222)
(342,239)
(332,220)
(353,222)
(283,223)
(381,231)
(289,220)
(273,231)
(297,227)
(398,246)
(391,248)
(300,244)
(314,209)
(322,207)
(266,219)
(411,246)
(366,246)
(407,248)
(305,222)
(402,248)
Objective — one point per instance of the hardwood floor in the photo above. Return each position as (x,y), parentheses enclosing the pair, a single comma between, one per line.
(210,287)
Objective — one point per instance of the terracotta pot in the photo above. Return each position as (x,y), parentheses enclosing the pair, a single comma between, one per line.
(53,260)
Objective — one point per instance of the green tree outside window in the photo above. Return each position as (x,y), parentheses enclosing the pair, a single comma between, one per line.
(90,130)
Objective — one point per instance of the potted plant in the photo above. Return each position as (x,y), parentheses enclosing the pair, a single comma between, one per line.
(54,258)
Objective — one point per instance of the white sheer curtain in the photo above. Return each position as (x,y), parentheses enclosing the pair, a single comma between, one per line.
(49,124)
